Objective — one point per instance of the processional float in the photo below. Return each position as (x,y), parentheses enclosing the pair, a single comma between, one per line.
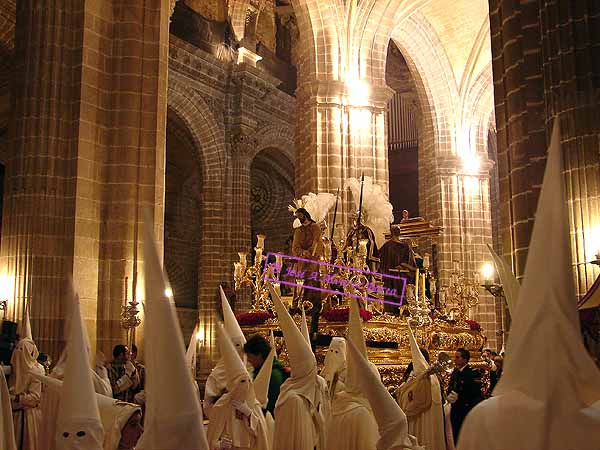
(438,315)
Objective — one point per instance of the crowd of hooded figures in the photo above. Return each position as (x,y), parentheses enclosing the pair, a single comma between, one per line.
(539,403)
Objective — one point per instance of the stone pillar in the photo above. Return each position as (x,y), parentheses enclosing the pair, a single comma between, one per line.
(458,200)
(90,96)
(340,134)
(544,67)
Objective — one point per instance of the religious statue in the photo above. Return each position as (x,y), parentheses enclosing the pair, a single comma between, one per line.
(308,245)
(397,259)
(364,232)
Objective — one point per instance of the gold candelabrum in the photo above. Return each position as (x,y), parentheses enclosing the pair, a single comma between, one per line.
(460,296)
(129,312)
(417,303)
(251,275)
(347,259)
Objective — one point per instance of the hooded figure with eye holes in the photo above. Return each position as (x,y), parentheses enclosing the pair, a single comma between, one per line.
(237,421)
(78,424)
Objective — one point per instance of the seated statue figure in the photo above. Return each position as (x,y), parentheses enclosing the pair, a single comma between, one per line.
(396,258)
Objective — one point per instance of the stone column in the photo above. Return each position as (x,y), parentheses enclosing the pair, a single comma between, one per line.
(544,67)
(464,213)
(90,90)
(340,134)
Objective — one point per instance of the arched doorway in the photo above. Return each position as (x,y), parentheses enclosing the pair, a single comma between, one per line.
(183,230)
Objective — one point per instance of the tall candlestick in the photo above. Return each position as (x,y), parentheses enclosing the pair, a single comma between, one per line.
(260,241)
(237,270)
(259,254)
(278,260)
(417,284)
(424,297)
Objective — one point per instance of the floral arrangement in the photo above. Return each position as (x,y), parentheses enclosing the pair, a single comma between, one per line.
(343,314)
(255,318)
(473,325)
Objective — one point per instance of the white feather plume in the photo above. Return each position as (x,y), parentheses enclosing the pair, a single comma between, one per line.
(378,210)
(317,205)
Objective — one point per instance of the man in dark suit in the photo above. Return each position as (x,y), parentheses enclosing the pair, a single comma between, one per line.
(464,390)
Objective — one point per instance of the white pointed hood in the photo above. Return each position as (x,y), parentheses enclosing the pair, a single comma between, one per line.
(273,345)
(391,420)
(548,376)
(335,359)
(26,325)
(190,354)
(356,336)
(304,327)
(510,284)
(173,415)
(302,360)
(234,331)
(420,365)
(263,378)
(234,366)
(78,424)
(114,413)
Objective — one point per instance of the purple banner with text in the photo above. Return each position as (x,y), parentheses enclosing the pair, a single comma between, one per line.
(334,279)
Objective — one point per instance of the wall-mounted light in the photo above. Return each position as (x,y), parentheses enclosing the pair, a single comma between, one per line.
(487,272)
(168,292)
(6,292)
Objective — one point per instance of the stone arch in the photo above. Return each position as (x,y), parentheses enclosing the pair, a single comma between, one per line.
(207,133)
(272,190)
(435,81)
(478,109)
(183,212)
(281,138)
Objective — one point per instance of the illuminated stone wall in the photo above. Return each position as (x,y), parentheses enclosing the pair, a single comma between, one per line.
(546,66)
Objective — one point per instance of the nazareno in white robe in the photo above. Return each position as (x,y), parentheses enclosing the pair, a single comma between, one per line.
(298,422)
(428,427)
(245,434)
(26,413)
(51,401)
(352,425)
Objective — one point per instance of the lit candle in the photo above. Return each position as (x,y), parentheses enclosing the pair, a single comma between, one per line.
(260,241)
(417,278)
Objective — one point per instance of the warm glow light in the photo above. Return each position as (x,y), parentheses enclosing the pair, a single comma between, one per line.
(169,293)
(200,335)
(358,92)
(471,163)
(487,271)
(592,243)
(6,287)
(139,293)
